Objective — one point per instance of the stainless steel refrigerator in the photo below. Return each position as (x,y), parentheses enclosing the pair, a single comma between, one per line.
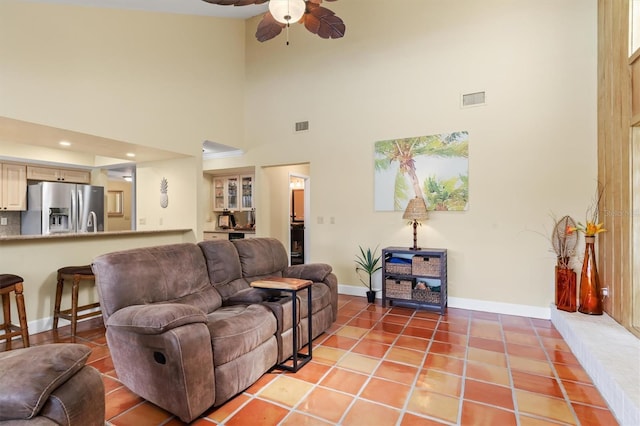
(63,208)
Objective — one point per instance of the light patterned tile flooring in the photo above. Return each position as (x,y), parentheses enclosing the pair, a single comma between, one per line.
(395,366)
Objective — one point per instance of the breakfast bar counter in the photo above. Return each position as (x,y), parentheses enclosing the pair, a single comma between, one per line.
(4,238)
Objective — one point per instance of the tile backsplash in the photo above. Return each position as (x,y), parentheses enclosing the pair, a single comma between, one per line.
(13,223)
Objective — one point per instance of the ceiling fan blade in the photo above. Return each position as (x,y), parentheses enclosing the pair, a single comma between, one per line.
(235,2)
(323,22)
(268,28)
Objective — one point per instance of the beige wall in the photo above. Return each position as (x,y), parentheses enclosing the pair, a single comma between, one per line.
(399,72)
(162,80)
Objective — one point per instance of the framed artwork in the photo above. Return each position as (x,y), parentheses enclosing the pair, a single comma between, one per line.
(434,167)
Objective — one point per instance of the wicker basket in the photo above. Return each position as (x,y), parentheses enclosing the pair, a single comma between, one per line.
(399,268)
(424,265)
(398,289)
(426,295)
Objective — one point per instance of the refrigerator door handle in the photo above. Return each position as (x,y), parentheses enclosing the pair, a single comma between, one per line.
(74,213)
(80,222)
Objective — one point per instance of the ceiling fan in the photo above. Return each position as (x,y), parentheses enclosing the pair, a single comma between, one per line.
(317,19)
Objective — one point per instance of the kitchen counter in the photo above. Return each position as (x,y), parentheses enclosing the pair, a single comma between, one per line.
(226,234)
(88,235)
(228,231)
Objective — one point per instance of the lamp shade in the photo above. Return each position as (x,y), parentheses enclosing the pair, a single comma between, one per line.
(287,11)
(416,210)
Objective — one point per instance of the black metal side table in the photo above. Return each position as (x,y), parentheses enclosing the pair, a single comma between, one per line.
(292,285)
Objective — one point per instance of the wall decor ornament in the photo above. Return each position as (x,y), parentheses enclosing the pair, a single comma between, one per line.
(434,167)
(164,198)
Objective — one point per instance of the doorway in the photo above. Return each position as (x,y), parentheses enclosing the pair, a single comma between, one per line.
(298,217)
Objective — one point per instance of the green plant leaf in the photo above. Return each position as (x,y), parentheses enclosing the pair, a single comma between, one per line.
(368,262)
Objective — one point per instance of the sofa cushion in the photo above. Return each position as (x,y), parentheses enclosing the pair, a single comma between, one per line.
(29,375)
(153,274)
(223,266)
(261,257)
(239,329)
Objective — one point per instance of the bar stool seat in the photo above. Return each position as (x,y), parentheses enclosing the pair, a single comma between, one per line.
(13,283)
(77,274)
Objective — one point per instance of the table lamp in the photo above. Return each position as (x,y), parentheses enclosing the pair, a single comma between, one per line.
(416,211)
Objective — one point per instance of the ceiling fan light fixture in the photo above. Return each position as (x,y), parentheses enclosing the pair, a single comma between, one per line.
(287,11)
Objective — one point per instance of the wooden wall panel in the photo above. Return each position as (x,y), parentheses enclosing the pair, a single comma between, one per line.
(614,158)
(635,89)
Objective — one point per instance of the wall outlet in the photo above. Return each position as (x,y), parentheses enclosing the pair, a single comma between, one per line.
(3,221)
(142,221)
(160,222)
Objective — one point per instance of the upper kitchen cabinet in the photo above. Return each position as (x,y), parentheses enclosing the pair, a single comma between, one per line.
(233,193)
(225,193)
(13,187)
(246,183)
(58,175)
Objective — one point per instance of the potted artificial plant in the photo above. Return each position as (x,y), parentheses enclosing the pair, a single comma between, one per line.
(368,262)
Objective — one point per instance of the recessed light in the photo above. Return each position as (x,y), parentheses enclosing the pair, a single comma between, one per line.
(65,143)
(130,154)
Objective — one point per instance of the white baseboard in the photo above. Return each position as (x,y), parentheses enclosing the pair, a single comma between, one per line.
(500,308)
(470,304)
(46,324)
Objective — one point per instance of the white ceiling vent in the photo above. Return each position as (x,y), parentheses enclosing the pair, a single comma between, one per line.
(473,99)
(302,126)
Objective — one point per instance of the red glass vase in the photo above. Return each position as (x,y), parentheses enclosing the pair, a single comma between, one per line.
(590,292)
(566,290)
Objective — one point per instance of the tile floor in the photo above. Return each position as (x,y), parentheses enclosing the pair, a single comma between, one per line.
(395,366)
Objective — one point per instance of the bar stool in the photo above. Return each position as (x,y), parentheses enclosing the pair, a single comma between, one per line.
(77,274)
(13,283)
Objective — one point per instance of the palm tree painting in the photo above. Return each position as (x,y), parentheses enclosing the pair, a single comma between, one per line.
(435,168)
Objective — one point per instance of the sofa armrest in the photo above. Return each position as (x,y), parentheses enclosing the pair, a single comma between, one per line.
(316,272)
(155,318)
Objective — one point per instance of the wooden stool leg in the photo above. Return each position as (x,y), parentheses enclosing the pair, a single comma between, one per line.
(74,306)
(6,311)
(56,309)
(22,315)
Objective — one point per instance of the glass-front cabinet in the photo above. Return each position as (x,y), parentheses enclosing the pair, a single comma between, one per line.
(218,194)
(233,193)
(246,183)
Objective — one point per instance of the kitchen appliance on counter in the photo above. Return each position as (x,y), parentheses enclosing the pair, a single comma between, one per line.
(59,208)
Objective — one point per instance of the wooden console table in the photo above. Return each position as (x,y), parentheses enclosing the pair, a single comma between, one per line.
(292,285)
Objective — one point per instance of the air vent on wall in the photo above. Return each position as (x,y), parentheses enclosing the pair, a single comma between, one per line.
(301,126)
(473,99)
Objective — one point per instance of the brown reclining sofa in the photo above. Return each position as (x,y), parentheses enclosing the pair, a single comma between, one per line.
(185,329)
